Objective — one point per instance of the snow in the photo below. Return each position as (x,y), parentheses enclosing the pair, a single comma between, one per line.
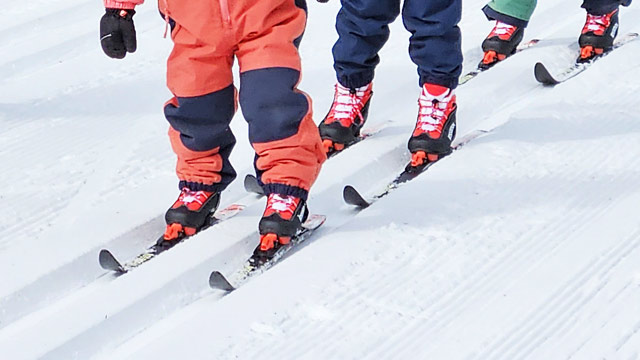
(524,244)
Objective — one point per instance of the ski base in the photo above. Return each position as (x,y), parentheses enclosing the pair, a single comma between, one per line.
(544,76)
(352,197)
(109,262)
(219,282)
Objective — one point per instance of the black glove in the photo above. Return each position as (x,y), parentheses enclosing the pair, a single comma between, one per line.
(117,33)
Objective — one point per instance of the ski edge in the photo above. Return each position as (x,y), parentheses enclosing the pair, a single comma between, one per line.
(352,197)
(577,68)
(109,262)
(463,79)
(218,281)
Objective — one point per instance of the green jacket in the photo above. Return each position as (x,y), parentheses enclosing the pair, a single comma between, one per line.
(519,9)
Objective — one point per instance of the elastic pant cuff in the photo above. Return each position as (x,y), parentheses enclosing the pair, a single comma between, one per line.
(194,186)
(494,15)
(355,81)
(449,82)
(287,190)
(602,9)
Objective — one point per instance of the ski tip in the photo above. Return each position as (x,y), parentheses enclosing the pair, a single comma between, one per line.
(219,282)
(468,76)
(109,262)
(531,42)
(251,185)
(352,197)
(314,221)
(543,76)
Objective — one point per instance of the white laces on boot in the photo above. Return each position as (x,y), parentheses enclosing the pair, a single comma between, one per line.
(348,104)
(432,112)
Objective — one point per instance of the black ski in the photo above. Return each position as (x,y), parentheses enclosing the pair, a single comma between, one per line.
(109,262)
(252,185)
(352,197)
(472,74)
(254,266)
(544,76)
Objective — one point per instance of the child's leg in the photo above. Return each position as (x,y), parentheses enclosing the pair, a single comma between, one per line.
(512,12)
(363,29)
(435,40)
(204,103)
(281,129)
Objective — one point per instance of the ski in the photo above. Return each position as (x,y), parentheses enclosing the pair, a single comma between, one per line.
(255,266)
(472,74)
(544,76)
(109,262)
(252,185)
(352,197)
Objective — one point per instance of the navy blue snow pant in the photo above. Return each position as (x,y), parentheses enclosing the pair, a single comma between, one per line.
(601,7)
(363,28)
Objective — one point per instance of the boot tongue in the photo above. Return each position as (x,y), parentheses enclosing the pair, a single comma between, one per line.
(435,90)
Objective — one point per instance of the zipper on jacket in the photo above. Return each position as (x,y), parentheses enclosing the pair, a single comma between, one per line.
(224,10)
(166,18)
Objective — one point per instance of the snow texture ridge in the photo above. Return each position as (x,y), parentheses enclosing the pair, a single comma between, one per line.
(525,244)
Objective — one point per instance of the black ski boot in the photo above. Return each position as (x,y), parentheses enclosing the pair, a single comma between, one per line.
(189,213)
(282,220)
(347,115)
(597,35)
(501,42)
(435,128)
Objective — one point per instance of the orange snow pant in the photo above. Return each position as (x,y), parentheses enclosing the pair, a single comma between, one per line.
(263,36)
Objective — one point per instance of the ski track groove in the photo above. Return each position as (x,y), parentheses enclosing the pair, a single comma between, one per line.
(88,333)
(562,306)
(53,220)
(484,280)
(374,304)
(617,302)
(522,254)
(43,217)
(543,247)
(32,60)
(343,299)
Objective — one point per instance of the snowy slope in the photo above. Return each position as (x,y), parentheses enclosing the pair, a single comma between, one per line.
(524,244)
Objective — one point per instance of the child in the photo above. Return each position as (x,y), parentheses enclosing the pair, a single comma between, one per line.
(434,47)
(512,17)
(207,35)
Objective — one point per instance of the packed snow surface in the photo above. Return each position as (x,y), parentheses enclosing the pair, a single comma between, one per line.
(524,244)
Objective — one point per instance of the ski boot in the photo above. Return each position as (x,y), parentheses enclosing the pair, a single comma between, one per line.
(501,42)
(189,213)
(597,35)
(435,128)
(282,220)
(347,115)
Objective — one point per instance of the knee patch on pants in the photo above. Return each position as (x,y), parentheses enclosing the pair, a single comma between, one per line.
(201,138)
